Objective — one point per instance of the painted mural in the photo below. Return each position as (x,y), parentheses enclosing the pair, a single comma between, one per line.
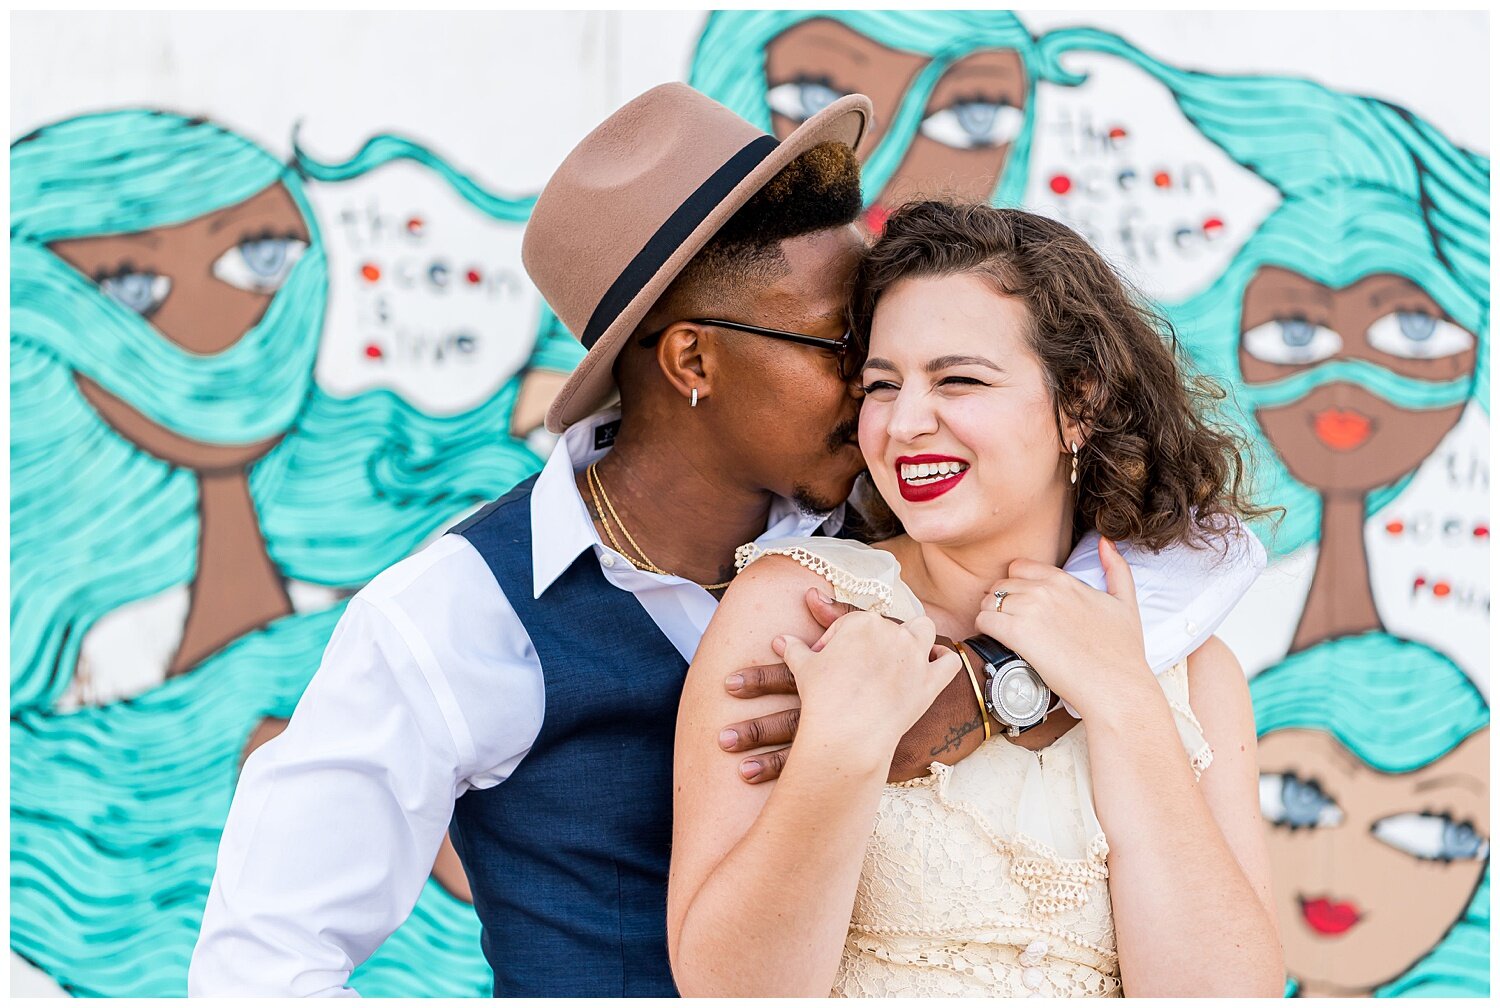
(215,349)
(175,464)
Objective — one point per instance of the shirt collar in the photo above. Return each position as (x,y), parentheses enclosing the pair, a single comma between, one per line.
(561,528)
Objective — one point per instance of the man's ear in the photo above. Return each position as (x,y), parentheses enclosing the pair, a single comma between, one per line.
(686,356)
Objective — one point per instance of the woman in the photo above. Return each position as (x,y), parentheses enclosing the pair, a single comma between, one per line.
(1002,352)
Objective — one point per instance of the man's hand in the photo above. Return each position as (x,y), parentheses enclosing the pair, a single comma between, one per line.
(949,731)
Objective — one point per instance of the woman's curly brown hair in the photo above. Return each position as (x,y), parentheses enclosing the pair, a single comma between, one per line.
(1152,469)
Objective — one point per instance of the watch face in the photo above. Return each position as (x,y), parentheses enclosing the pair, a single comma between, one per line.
(1019,694)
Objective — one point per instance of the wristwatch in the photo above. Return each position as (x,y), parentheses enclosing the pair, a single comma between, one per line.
(1015,695)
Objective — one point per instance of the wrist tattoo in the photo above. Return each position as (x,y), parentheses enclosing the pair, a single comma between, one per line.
(956,735)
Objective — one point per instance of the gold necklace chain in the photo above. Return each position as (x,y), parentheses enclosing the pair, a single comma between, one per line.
(603,519)
(596,490)
(598,484)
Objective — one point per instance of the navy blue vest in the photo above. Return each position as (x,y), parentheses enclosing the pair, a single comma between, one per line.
(568,857)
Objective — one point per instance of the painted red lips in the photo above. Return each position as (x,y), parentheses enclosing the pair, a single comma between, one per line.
(1342,430)
(1327,917)
(927,491)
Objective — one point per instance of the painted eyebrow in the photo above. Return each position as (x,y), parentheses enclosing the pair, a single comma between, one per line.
(1351,763)
(230,217)
(968,68)
(1391,291)
(937,363)
(829,41)
(1319,295)
(144,237)
(1463,780)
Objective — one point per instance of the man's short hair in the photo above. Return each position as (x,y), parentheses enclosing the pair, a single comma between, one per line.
(816,191)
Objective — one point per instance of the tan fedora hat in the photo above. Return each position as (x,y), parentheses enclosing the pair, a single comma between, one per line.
(635,201)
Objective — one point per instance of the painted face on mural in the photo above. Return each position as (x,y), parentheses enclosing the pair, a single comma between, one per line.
(1341,436)
(202,285)
(1371,869)
(971,120)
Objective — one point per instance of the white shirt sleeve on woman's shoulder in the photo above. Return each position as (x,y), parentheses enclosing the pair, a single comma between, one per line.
(1184,592)
(429,686)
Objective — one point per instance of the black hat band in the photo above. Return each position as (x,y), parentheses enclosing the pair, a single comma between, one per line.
(670,236)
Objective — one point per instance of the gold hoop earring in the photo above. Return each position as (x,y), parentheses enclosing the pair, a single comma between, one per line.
(1073,479)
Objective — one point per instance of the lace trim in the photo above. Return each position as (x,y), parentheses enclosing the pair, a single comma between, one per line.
(1052,882)
(980,934)
(1201,760)
(840,579)
(917,782)
(1204,754)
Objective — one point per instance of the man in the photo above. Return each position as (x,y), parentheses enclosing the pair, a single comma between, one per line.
(520,676)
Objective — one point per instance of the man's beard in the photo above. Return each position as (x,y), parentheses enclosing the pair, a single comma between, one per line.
(806,498)
(841,435)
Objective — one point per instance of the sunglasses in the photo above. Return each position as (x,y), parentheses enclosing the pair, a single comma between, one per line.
(840,346)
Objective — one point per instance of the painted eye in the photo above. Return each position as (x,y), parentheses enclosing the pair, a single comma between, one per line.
(803,98)
(1288,800)
(260,265)
(969,125)
(1431,837)
(1418,336)
(1291,341)
(141,291)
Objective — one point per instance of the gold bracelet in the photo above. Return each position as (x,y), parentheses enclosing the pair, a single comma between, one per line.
(974,681)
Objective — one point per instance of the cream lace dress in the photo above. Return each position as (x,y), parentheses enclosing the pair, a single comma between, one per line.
(987,878)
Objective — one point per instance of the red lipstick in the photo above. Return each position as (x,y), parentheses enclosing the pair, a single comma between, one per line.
(937,487)
(1342,430)
(1327,917)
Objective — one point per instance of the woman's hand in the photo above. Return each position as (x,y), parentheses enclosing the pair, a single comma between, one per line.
(867,678)
(1083,642)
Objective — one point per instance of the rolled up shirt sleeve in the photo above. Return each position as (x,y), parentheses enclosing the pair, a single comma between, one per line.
(336,822)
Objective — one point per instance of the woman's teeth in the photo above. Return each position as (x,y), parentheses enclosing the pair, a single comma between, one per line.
(930,472)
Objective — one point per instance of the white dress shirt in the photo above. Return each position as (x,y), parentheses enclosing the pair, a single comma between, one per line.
(430,686)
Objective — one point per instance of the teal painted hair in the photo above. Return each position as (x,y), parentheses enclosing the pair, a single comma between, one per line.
(125,172)
(383,149)
(1367,188)
(730,66)
(1365,691)
(116,810)
(1334,237)
(1397,705)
